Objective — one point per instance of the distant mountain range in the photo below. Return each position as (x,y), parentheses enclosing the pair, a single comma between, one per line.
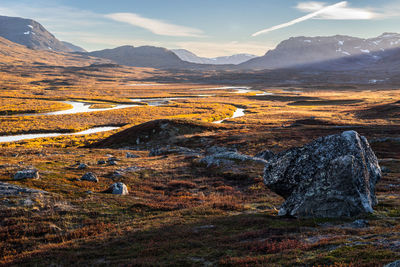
(330,53)
(188,56)
(333,53)
(33,35)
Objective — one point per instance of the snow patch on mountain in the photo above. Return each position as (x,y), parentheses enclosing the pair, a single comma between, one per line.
(345,52)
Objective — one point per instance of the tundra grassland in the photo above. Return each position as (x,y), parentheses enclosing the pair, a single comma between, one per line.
(180,212)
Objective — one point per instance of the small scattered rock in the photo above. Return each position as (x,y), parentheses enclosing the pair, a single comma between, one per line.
(28,202)
(112,162)
(54,228)
(89,176)
(385,169)
(116,175)
(121,172)
(27,174)
(357,224)
(360,223)
(89,192)
(118,189)
(101,162)
(315,239)
(82,166)
(131,156)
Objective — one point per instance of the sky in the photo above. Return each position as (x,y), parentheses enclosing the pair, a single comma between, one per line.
(208,28)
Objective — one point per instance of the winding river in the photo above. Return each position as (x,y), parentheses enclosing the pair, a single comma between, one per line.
(238,113)
(20,137)
(84,107)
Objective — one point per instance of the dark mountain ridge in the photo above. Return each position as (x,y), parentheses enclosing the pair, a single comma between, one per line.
(33,35)
(347,52)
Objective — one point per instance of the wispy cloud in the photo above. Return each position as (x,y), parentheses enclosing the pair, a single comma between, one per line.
(342,12)
(319,10)
(155,26)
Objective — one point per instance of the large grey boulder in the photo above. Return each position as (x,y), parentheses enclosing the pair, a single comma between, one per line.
(333,176)
(27,174)
(393,264)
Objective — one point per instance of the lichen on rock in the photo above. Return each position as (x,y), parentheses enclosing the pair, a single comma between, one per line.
(333,176)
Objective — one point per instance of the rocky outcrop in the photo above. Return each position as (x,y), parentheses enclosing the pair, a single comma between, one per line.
(333,176)
(123,171)
(220,156)
(159,151)
(27,174)
(7,189)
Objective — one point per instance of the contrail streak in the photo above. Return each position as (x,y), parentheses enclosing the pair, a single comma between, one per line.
(304,18)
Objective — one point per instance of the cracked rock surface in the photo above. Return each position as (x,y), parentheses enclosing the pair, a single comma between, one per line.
(333,176)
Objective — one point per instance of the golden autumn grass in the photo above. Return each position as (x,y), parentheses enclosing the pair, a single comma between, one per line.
(10,106)
(118,117)
(178,211)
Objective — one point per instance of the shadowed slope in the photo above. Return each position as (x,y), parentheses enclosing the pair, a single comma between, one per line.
(12,53)
(156,132)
